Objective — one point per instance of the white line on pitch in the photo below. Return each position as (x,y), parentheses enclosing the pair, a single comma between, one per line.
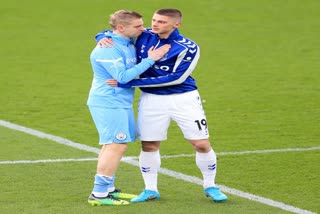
(251,152)
(239,193)
(49,161)
(168,172)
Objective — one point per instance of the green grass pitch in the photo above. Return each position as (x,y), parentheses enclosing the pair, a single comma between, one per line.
(258,75)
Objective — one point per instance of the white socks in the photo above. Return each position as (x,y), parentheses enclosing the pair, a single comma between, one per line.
(149,163)
(207,163)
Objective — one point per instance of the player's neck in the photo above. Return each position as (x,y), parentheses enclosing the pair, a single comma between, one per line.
(120,34)
(165,35)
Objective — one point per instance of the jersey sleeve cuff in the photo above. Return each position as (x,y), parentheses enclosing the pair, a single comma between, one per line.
(150,61)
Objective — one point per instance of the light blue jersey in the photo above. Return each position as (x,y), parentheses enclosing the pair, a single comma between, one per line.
(111,107)
(117,62)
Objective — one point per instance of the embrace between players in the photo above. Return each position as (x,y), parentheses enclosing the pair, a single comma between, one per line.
(164,60)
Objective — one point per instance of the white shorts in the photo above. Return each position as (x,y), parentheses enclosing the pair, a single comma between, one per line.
(155,113)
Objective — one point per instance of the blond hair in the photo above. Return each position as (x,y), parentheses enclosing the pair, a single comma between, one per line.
(123,17)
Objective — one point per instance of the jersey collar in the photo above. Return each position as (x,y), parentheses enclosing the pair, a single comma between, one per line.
(172,36)
(120,39)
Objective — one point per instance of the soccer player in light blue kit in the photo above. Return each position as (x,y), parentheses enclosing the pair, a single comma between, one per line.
(170,93)
(111,108)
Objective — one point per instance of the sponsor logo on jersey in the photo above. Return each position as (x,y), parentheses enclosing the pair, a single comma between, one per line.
(163,67)
(131,60)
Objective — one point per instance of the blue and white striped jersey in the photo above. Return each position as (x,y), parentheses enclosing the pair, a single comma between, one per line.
(171,74)
(118,62)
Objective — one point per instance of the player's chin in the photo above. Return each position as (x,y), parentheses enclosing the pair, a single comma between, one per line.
(138,34)
(155,30)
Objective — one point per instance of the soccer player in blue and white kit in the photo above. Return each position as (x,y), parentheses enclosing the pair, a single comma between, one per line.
(170,93)
(111,108)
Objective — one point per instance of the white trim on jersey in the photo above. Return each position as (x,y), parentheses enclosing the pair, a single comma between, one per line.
(107,60)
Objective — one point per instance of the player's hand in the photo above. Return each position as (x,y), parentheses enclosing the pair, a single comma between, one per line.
(112,82)
(105,42)
(158,53)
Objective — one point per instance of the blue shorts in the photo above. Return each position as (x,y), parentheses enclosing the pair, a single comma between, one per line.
(114,124)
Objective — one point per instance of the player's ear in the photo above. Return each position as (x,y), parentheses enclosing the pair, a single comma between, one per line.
(120,28)
(177,24)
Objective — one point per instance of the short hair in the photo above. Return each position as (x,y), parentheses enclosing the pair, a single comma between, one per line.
(171,12)
(123,17)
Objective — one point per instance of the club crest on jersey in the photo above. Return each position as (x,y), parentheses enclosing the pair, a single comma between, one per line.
(142,48)
(121,136)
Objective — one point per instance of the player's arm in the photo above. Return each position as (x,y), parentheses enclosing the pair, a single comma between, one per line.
(102,34)
(184,66)
(103,39)
(113,62)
